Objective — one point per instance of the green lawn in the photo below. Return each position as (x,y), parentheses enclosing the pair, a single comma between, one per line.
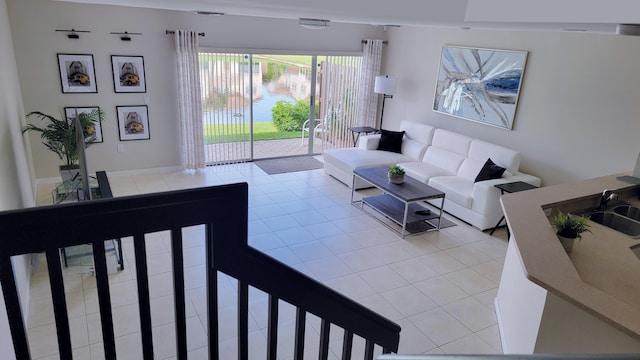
(234,133)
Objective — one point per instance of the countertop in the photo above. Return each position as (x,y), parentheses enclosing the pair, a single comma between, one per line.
(602,274)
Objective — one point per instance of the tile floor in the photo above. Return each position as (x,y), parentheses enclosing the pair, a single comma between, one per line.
(439,286)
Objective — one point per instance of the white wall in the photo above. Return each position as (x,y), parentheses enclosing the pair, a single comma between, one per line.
(36,45)
(15,180)
(579,108)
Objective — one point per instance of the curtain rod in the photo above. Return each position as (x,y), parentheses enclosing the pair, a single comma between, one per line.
(171,32)
(384,42)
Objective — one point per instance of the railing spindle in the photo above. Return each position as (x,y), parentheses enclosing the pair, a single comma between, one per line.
(272,332)
(178,293)
(59,303)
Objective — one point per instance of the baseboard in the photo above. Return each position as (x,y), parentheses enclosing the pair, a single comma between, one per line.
(56,179)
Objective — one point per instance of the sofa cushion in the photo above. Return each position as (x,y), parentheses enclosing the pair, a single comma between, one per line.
(349,159)
(456,189)
(490,171)
(481,150)
(444,159)
(451,141)
(413,149)
(470,168)
(417,131)
(423,171)
(391,141)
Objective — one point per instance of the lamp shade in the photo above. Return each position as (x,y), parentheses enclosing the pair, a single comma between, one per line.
(386,84)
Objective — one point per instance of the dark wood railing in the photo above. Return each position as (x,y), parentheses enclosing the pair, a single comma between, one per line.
(223,212)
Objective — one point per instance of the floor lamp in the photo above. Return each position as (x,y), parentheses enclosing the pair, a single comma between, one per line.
(387,86)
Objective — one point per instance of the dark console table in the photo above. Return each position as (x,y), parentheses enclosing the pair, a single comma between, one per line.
(509,188)
(72,191)
(400,203)
(357,130)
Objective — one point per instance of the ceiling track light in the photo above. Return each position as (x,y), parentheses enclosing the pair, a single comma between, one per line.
(125,35)
(314,24)
(210,13)
(73,33)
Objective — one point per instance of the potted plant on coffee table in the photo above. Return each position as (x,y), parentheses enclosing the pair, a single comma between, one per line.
(59,136)
(396,174)
(569,228)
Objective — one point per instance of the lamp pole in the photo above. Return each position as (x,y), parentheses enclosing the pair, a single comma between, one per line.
(384,97)
(387,86)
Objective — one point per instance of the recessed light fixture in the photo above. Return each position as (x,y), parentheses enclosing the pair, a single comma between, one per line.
(314,24)
(628,29)
(210,13)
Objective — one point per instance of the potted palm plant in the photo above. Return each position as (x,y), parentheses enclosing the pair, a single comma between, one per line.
(59,136)
(569,228)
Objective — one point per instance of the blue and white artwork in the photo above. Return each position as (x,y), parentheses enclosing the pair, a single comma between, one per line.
(480,85)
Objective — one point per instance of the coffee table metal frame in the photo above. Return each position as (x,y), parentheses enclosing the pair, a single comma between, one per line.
(399,203)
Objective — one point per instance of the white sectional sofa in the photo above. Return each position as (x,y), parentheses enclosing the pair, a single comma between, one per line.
(443,159)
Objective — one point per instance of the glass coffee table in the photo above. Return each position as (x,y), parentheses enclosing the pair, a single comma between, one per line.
(400,203)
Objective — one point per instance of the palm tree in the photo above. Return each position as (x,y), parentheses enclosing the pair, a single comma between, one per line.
(59,135)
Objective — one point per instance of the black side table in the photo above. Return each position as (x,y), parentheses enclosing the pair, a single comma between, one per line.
(509,188)
(361,130)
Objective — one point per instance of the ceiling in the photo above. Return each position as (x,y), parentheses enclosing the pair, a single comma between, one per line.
(548,15)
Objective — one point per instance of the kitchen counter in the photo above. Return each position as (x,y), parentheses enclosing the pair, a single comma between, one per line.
(599,281)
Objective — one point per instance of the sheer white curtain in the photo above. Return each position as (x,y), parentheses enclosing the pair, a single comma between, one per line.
(368,100)
(189,100)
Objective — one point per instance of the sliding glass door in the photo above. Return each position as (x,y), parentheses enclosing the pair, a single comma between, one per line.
(268,105)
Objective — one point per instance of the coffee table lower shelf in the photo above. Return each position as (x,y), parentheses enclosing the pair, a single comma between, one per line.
(394,210)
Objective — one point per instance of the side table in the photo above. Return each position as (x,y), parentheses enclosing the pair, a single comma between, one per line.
(361,130)
(509,188)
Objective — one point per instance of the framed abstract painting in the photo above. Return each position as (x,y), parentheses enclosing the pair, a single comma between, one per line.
(481,85)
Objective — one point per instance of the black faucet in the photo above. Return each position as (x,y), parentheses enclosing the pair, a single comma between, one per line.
(607,195)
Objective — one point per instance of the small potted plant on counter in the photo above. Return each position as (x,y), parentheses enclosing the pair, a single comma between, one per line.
(396,174)
(569,228)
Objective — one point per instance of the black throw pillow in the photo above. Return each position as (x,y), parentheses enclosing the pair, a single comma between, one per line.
(490,171)
(391,141)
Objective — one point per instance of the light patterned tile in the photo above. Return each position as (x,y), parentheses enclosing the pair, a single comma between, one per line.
(439,326)
(408,300)
(403,279)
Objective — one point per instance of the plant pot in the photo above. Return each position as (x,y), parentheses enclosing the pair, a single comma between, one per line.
(567,243)
(69,172)
(396,179)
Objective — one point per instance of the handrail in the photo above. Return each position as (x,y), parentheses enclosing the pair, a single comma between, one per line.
(223,211)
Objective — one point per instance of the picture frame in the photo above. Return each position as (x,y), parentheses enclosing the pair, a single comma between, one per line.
(481,85)
(70,113)
(77,73)
(128,74)
(133,122)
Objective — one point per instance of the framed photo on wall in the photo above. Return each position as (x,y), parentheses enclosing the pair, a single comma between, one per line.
(133,122)
(128,74)
(481,85)
(77,73)
(72,112)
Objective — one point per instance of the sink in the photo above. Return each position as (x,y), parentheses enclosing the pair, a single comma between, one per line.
(617,222)
(632,212)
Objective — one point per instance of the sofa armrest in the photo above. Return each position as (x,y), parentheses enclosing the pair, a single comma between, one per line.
(486,197)
(369,142)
